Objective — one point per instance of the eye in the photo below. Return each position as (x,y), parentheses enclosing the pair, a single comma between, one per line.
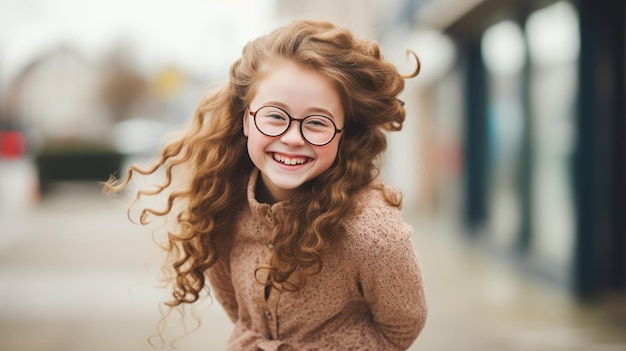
(275,116)
(318,122)
(272,115)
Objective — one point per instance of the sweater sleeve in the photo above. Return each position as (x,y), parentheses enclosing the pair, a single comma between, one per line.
(390,275)
(221,281)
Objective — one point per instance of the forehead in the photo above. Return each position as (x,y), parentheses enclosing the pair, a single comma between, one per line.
(296,88)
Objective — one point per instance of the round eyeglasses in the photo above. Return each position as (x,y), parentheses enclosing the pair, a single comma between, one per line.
(274,121)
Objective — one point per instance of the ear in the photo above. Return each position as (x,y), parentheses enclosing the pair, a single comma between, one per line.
(246,128)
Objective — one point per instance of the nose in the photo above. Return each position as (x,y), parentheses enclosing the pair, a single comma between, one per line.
(293,136)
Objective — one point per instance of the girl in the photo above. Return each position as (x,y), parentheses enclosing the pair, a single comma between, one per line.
(283,213)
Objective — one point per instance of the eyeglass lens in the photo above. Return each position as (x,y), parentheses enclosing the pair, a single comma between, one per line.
(272,121)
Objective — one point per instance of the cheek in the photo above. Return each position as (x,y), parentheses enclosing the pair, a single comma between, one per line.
(327,155)
(257,143)
(253,143)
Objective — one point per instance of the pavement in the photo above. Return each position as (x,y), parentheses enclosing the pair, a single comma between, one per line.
(75,275)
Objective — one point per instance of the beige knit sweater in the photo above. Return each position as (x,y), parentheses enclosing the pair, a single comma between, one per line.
(368,295)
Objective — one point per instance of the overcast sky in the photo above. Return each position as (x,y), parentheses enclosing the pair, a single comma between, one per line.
(196,34)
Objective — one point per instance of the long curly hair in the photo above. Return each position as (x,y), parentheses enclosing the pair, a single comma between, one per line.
(212,150)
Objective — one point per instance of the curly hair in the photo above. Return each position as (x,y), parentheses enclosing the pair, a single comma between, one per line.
(213,152)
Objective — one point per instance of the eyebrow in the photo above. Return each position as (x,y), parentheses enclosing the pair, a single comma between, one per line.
(310,110)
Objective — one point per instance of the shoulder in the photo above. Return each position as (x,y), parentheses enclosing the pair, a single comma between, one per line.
(374,221)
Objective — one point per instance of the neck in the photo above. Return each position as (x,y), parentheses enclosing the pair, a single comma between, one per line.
(263,195)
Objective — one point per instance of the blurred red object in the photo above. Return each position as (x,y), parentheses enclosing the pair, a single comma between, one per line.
(12,144)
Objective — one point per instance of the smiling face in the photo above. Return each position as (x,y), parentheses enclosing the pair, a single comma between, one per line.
(287,161)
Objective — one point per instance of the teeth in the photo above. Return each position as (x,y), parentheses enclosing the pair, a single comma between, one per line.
(289,160)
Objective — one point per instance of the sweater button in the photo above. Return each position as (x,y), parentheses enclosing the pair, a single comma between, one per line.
(270,246)
(267,315)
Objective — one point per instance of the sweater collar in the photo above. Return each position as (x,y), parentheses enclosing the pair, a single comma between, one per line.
(262,210)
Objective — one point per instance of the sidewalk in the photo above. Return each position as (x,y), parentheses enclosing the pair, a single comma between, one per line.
(76,276)
(479,303)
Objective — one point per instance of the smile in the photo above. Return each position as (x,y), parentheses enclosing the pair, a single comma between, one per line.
(290,161)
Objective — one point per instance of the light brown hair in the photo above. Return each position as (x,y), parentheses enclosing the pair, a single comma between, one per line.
(213,151)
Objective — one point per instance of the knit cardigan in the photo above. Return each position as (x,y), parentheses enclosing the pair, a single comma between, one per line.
(368,296)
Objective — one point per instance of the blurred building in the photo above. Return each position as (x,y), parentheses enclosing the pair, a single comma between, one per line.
(522,117)
(365,18)
(56,95)
(77,118)
(515,128)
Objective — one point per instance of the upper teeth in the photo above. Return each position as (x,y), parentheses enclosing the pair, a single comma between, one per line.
(289,160)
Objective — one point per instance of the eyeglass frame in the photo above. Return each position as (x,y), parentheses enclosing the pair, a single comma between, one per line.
(291,119)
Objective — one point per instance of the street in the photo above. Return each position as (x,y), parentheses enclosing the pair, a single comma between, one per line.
(76,275)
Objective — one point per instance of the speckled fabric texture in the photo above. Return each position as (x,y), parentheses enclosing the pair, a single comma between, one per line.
(368,296)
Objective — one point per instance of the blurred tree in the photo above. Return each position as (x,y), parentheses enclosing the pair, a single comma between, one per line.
(168,83)
(123,87)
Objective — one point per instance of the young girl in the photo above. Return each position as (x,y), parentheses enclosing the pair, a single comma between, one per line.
(283,213)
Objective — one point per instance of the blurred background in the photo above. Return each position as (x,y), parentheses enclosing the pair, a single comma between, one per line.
(512,161)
